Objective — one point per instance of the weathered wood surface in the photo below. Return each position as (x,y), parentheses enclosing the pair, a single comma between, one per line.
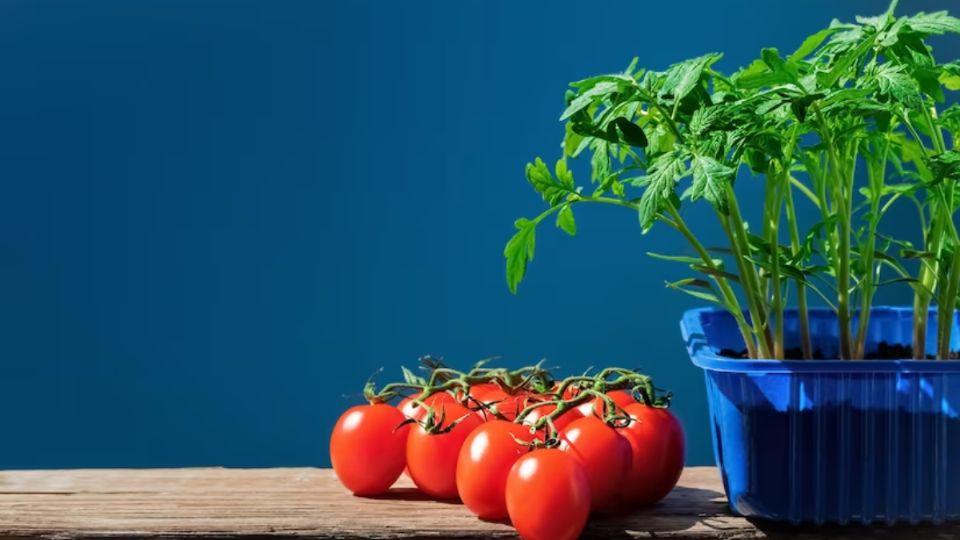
(309,503)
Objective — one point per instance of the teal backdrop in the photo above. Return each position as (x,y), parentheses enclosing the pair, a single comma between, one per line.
(218,218)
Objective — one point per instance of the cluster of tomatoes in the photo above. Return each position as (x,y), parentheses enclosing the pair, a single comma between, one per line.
(516,444)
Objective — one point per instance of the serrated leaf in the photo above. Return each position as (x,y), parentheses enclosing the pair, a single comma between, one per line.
(895,82)
(703,118)
(680,79)
(709,178)
(519,251)
(931,24)
(583,100)
(661,180)
(553,190)
(566,222)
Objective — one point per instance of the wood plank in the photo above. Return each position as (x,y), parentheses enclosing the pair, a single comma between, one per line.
(309,503)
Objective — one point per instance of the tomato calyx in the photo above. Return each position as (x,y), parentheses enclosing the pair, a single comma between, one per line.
(433,423)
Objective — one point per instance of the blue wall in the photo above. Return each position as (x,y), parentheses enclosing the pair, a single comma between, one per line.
(218,218)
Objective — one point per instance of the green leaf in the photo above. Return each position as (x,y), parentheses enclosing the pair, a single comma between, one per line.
(703,118)
(585,99)
(771,57)
(552,189)
(676,258)
(895,82)
(519,251)
(946,166)
(844,62)
(566,222)
(684,285)
(950,76)
(680,79)
(709,178)
(930,24)
(630,132)
(661,180)
(810,44)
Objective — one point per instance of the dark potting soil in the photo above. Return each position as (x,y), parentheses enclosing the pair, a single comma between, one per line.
(793,353)
(885,351)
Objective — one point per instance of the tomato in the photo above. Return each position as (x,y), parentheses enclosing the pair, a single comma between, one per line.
(507,405)
(413,410)
(548,496)
(599,407)
(604,455)
(485,459)
(367,449)
(656,438)
(478,391)
(560,422)
(432,458)
(569,393)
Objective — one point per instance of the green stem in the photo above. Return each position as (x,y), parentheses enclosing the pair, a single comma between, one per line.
(802,312)
(735,227)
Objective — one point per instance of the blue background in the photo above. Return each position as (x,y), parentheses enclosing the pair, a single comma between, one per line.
(218,218)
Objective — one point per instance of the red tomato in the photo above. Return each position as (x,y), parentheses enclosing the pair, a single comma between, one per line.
(432,458)
(485,459)
(508,406)
(411,409)
(548,496)
(569,393)
(477,391)
(366,448)
(560,422)
(656,438)
(599,407)
(604,455)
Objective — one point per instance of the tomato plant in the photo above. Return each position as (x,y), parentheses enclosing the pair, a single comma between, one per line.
(367,448)
(604,455)
(432,451)
(658,451)
(485,459)
(548,496)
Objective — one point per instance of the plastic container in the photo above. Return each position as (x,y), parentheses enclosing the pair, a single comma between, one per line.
(832,441)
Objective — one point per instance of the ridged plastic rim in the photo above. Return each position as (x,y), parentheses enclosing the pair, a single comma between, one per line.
(703,356)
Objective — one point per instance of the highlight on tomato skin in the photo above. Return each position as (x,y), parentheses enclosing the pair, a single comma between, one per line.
(484,463)
(432,457)
(658,453)
(548,496)
(411,409)
(368,448)
(604,455)
(598,407)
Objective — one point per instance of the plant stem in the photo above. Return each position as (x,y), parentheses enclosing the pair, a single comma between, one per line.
(841,234)
(735,228)
(876,171)
(802,313)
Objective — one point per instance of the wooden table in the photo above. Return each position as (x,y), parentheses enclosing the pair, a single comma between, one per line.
(309,503)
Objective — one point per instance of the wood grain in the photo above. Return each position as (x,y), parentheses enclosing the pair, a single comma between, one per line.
(309,503)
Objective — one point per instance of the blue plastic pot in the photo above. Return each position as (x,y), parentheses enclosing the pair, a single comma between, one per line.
(832,441)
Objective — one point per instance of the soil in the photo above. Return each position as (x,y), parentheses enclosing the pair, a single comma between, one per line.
(884,351)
